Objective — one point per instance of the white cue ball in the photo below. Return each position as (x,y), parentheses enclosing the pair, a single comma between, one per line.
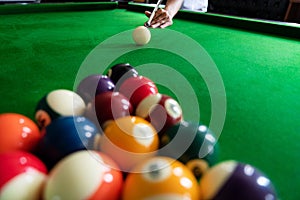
(141,35)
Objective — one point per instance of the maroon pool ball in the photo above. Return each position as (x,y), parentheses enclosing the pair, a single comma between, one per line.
(111,106)
(161,110)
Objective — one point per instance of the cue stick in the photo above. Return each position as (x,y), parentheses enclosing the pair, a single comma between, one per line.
(153,12)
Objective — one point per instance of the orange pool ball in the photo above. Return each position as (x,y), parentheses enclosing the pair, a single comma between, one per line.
(161,178)
(18,132)
(129,140)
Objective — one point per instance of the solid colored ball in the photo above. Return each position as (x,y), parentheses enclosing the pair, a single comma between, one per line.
(129,140)
(141,35)
(111,106)
(18,132)
(137,88)
(189,141)
(161,178)
(161,110)
(22,176)
(64,136)
(86,175)
(120,72)
(235,180)
(94,84)
(58,103)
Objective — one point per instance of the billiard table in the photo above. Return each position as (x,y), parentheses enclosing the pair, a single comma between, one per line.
(239,76)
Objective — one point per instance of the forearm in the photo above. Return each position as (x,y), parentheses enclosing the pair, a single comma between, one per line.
(172,6)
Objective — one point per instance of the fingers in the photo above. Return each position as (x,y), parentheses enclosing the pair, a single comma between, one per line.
(161,19)
(147,13)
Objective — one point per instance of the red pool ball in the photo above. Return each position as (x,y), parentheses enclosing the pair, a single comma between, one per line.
(161,110)
(18,132)
(129,140)
(58,103)
(137,88)
(161,178)
(22,176)
(111,106)
(85,175)
(235,180)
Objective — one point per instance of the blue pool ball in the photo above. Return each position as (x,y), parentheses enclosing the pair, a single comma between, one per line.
(64,136)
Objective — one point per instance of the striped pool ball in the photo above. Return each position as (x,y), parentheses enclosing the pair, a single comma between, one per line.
(84,175)
(161,110)
(58,103)
(161,178)
(22,176)
(235,180)
(137,88)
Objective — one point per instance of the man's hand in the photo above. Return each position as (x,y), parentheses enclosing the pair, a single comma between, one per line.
(162,19)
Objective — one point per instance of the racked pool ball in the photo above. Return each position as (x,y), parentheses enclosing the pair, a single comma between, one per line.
(58,103)
(235,180)
(111,106)
(191,142)
(161,110)
(92,85)
(137,88)
(161,178)
(141,35)
(64,136)
(84,175)
(129,140)
(120,72)
(18,132)
(22,176)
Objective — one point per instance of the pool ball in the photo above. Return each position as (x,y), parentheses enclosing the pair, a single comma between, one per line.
(64,136)
(22,176)
(236,180)
(85,175)
(111,106)
(120,72)
(141,35)
(137,88)
(161,110)
(58,103)
(18,132)
(188,142)
(161,178)
(129,140)
(92,85)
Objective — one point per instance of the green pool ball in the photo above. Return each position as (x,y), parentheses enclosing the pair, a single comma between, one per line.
(192,143)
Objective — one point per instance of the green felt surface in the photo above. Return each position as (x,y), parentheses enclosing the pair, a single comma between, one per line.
(41,52)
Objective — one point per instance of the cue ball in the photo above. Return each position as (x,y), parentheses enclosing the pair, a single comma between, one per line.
(141,35)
